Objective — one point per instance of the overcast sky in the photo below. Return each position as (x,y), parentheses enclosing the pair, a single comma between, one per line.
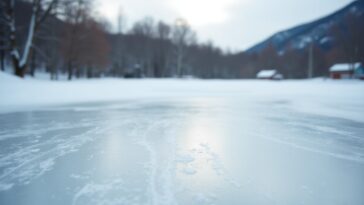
(234,24)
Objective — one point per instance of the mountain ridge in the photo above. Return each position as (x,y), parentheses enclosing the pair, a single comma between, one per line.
(300,36)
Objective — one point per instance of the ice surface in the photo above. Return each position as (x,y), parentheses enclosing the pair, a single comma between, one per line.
(181,142)
(335,98)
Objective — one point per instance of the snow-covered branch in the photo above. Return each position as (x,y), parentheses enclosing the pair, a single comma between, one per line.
(40,11)
(46,13)
(29,41)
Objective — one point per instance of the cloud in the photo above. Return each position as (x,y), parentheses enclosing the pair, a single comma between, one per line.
(203,12)
(237,24)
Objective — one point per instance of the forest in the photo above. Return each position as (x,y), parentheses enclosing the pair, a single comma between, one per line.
(68,37)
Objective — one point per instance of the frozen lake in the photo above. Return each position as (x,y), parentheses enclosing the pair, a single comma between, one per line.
(195,150)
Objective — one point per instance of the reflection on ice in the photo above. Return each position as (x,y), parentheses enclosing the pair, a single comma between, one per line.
(202,151)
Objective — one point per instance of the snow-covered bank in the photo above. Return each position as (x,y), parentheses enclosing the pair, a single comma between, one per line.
(343,99)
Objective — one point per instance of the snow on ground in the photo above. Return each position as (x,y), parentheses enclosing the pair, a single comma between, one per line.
(171,141)
(343,99)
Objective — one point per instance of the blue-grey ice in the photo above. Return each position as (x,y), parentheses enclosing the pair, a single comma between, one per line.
(219,143)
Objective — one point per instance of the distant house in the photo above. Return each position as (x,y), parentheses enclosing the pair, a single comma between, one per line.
(347,71)
(359,72)
(269,75)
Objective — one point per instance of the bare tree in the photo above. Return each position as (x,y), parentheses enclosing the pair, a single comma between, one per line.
(41,9)
(121,21)
(144,32)
(76,15)
(182,36)
(95,49)
(118,50)
(3,44)
(163,33)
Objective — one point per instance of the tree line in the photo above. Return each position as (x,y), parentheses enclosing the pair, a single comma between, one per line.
(66,37)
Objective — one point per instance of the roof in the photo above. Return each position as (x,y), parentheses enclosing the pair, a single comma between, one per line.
(344,67)
(266,73)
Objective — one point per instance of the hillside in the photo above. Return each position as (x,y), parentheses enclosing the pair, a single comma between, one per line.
(319,31)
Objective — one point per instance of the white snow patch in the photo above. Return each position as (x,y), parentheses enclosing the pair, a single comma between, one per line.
(46,165)
(4,187)
(184,159)
(266,73)
(344,67)
(189,170)
(325,40)
(320,97)
(201,198)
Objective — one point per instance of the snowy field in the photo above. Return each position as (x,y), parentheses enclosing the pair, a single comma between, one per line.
(115,141)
